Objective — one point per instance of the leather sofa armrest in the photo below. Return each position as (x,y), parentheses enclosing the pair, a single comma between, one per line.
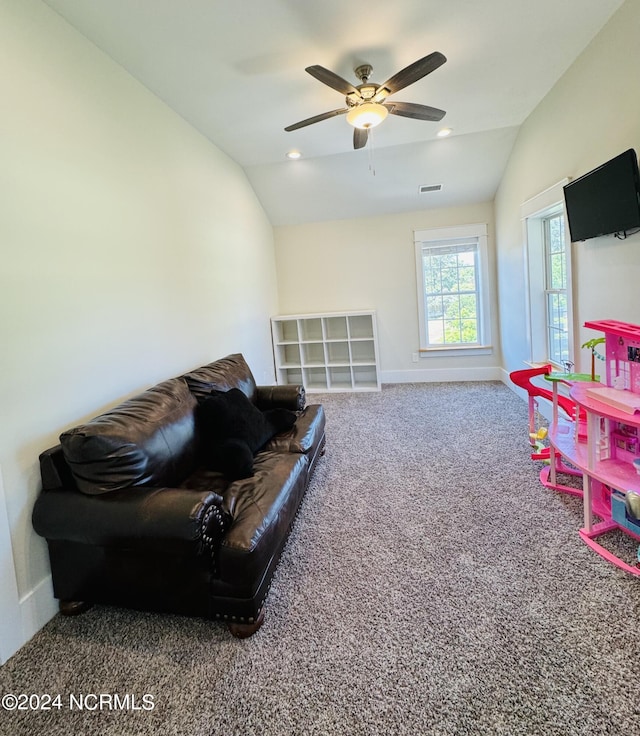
(287,397)
(307,434)
(132,516)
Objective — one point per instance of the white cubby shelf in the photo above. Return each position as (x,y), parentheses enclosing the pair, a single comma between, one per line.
(337,351)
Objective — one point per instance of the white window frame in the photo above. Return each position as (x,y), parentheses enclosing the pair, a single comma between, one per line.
(533,213)
(549,289)
(440,236)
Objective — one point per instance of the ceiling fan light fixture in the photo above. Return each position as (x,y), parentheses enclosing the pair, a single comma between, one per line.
(367,115)
(366,104)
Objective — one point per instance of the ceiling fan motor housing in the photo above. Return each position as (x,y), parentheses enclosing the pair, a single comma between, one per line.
(363,72)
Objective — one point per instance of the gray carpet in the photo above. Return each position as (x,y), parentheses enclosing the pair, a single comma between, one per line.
(431,586)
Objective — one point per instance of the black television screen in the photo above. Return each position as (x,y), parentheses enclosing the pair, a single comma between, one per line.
(606,200)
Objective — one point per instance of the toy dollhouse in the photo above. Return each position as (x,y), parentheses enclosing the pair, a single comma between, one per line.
(606,453)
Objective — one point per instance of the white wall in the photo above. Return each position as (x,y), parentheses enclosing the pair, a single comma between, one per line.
(132,250)
(370,263)
(591,115)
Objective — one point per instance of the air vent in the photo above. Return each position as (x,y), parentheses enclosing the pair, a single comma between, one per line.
(430,188)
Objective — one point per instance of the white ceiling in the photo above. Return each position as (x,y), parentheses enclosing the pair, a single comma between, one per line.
(235,70)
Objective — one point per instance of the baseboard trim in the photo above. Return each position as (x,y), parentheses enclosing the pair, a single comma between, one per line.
(37,608)
(504,377)
(431,375)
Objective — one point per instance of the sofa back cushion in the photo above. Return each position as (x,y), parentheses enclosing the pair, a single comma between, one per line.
(149,440)
(222,375)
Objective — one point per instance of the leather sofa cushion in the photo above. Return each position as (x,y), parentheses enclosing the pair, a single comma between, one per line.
(149,440)
(262,509)
(222,375)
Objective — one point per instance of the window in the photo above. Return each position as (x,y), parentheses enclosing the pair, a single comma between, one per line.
(451,270)
(548,263)
(556,289)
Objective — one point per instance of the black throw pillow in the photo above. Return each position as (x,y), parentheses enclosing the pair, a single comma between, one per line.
(233,458)
(234,429)
(279,420)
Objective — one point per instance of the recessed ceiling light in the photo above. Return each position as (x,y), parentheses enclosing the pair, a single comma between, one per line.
(294,154)
(444,132)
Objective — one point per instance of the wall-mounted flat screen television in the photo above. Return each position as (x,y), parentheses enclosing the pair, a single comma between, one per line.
(606,200)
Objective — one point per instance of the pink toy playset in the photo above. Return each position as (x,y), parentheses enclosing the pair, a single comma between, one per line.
(600,438)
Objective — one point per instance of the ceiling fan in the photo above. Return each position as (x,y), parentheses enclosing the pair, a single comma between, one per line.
(366,104)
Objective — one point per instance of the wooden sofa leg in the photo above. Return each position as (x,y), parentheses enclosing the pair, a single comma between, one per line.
(73,608)
(244,631)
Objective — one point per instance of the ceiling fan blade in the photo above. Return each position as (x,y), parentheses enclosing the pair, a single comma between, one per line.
(360,137)
(410,74)
(317,118)
(417,112)
(332,80)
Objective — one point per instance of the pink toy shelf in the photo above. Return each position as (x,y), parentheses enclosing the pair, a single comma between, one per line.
(606,455)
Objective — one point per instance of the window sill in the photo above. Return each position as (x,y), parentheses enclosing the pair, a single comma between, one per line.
(456,350)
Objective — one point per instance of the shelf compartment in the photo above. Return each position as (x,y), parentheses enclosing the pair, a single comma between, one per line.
(289,355)
(363,351)
(311,330)
(340,378)
(313,353)
(336,328)
(315,379)
(365,377)
(338,353)
(360,325)
(292,376)
(287,331)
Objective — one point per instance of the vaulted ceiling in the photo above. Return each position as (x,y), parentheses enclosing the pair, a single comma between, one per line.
(235,70)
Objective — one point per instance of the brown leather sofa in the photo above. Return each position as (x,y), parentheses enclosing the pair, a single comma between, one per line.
(134,517)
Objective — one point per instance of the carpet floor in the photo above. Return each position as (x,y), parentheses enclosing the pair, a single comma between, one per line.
(431,585)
